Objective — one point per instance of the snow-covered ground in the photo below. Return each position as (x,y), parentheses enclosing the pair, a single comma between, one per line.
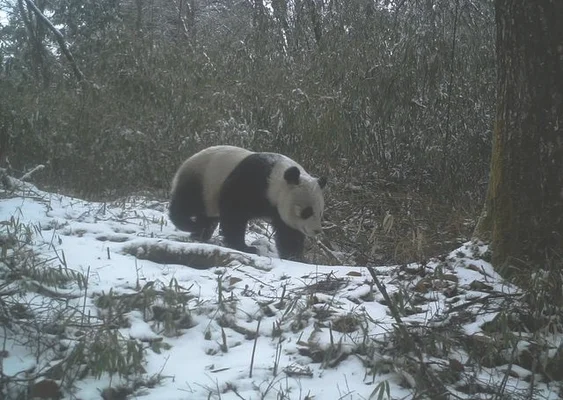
(258,327)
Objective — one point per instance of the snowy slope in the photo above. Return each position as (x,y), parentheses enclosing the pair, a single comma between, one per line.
(319,327)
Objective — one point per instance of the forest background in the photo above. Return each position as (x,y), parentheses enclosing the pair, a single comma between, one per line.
(393,100)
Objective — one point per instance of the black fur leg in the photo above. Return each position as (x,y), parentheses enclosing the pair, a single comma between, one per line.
(249,249)
(181,217)
(204,228)
(234,229)
(186,202)
(289,242)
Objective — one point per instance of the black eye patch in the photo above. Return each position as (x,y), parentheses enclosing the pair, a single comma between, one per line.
(306,212)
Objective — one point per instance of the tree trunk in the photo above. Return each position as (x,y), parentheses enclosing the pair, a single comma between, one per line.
(36,36)
(523,214)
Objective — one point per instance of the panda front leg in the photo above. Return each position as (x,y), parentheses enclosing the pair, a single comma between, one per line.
(204,227)
(289,242)
(233,228)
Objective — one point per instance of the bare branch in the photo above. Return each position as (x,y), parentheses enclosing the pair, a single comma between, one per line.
(59,38)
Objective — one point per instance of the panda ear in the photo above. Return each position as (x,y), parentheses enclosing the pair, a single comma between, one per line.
(291,175)
(322,182)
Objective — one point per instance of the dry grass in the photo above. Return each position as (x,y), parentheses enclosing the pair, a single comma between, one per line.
(379,222)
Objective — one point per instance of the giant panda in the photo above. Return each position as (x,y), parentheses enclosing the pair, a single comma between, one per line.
(229,185)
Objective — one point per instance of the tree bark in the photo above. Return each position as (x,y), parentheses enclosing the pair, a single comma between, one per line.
(523,214)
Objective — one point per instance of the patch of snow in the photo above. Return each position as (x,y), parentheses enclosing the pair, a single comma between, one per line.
(96,239)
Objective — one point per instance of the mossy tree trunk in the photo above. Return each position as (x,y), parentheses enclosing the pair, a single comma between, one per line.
(523,214)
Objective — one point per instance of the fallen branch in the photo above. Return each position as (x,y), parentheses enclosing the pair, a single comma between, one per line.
(28,174)
(45,291)
(328,252)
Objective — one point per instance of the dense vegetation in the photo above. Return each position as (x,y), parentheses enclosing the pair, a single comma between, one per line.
(393,100)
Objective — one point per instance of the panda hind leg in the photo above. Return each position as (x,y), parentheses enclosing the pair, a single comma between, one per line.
(289,242)
(204,227)
(233,229)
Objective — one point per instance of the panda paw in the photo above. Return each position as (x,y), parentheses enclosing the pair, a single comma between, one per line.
(242,247)
(250,249)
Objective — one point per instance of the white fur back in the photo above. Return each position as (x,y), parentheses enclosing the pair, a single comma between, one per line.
(213,165)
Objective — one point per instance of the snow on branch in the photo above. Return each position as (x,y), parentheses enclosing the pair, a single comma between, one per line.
(59,38)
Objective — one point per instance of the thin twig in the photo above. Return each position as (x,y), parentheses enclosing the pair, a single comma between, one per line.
(435,386)
(254,348)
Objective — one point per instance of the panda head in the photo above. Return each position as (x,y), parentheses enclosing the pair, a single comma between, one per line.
(301,201)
